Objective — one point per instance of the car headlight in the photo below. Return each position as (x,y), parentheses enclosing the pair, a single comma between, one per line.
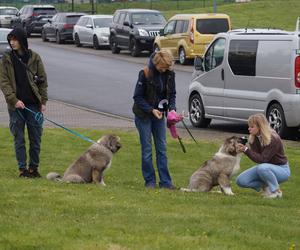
(143,32)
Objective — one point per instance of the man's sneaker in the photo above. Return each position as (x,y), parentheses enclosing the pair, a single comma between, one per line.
(24,173)
(274,195)
(33,173)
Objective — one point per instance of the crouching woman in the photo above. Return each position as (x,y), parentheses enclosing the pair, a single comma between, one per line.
(266,149)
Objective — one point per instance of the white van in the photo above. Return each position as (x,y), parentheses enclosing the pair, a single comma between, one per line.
(248,71)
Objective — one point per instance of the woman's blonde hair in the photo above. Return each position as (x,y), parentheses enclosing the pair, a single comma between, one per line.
(164,57)
(265,130)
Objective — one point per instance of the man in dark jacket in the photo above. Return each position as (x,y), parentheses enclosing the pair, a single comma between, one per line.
(23,82)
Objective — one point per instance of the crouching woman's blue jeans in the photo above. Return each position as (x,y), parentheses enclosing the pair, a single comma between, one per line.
(264,175)
(18,119)
(147,128)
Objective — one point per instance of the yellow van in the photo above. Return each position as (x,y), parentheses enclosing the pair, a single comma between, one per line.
(187,35)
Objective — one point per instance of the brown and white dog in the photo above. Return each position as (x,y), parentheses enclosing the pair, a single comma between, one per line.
(89,167)
(219,170)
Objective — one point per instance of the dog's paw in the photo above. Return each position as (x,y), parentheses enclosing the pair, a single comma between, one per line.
(227,191)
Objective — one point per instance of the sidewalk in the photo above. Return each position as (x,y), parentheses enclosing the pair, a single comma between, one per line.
(72,116)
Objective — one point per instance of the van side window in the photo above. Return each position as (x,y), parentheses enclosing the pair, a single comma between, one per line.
(242,57)
(169,29)
(179,26)
(215,54)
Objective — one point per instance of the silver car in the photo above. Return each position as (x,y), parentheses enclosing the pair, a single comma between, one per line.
(92,30)
(4,45)
(7,14)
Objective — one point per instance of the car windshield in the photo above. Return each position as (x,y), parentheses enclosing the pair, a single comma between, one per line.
(212,26)
(3,35)
(8,11)
(44,11)
(148,19)
(102,22)
(72,19)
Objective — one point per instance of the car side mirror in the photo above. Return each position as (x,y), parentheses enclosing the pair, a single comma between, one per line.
(126,23)
(18,14)
(198,63)
(49,21)
(161,32)
(89,26)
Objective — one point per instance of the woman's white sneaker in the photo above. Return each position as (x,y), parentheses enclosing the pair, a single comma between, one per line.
(274,195)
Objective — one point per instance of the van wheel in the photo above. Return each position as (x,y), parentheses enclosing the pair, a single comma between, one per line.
(197,113)
(134,48)
(77,41)
(114,45)
(276,119)
(182,56)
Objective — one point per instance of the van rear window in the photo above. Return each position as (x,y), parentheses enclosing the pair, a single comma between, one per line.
(212,26)
(44,11)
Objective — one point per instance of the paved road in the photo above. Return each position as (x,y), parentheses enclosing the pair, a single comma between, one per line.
(98,79)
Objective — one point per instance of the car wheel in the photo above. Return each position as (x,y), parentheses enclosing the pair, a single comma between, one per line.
(276,119)
(156,48)
(134,48)
(114,45)
(197,113)
(77,40)
(96,42)
(44,37)
(58,39)
(182,56)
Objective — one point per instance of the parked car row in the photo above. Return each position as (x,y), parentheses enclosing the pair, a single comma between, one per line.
(136,30)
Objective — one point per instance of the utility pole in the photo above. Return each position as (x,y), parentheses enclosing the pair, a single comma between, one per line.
(215,6)
(72,5)
(93,7)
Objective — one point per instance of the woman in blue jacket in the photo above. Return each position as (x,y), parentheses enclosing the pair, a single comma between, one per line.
(154,96)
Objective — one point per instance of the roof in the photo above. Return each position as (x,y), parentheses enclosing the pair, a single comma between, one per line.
(8,7)
(202,15)
(39,6)
(140,10)
(70,13)
(99,16)
(257,31)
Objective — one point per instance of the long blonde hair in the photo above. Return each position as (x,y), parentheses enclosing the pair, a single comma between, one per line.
(265,131)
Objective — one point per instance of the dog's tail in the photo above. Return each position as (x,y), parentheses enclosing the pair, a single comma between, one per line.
(52,176)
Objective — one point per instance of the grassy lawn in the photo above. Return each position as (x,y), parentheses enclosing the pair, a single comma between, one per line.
(39,214)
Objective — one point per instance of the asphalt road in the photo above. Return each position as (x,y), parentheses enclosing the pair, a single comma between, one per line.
(102,81)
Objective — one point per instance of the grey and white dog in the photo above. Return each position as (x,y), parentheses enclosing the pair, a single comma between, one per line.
(219,170)
(89,167)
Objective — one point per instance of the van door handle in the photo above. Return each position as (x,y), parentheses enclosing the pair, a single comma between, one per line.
(222,74)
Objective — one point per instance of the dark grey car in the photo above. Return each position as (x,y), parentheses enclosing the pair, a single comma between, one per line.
(60,27)
(135,29)
(33,17)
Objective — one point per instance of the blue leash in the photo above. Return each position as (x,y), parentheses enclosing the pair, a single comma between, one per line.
(39,117)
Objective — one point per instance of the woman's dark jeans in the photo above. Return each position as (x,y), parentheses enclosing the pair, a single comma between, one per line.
(147,128)
(18,119)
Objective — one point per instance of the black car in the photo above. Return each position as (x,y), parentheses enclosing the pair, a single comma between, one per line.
(135,29)
(33,17)
(60,27)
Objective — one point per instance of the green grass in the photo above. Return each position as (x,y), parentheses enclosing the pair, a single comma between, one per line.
(256,14)
(39,214)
